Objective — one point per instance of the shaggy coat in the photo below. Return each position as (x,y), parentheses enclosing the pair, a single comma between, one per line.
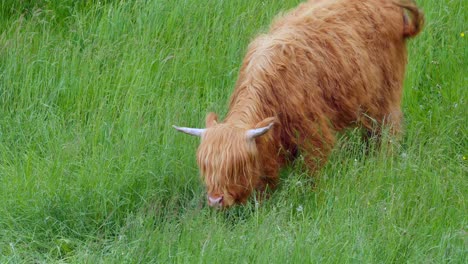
(324,66)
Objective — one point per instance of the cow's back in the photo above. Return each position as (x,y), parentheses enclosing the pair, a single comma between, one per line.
(337,59)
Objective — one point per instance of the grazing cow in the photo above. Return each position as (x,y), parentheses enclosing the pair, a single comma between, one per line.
(323,67)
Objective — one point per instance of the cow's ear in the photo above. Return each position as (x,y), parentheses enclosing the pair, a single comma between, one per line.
(261,128)
(211,119)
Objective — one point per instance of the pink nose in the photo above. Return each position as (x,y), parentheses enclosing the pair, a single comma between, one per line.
(215,201)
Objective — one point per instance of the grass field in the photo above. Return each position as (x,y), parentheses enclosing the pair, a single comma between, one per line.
(92,172)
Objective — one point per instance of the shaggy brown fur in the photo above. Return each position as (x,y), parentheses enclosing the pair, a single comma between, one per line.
(323,67)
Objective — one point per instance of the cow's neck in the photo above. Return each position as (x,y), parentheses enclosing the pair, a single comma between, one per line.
(246,109)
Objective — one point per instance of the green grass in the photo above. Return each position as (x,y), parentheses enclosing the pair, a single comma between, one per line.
(92,172)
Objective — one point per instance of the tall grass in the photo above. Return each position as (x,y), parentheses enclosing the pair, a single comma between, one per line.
(91,170)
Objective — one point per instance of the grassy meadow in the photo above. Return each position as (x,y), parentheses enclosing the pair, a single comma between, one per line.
(91,170)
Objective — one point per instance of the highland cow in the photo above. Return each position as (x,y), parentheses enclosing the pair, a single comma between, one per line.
(323,67)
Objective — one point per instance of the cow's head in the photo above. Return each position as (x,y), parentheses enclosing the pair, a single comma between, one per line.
(228,159)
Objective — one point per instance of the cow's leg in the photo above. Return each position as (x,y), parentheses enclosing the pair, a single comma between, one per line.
(315,155)
(315,145)
(394,126)
(385,129)
(268,181)
(270,173)
(394,122)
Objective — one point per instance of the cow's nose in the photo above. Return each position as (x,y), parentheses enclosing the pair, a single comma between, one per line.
(215,201)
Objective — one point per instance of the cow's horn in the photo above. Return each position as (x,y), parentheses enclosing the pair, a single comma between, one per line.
(191,131)
(256,132)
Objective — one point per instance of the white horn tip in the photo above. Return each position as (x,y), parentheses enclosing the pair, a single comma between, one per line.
(191,131)
(253,133)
